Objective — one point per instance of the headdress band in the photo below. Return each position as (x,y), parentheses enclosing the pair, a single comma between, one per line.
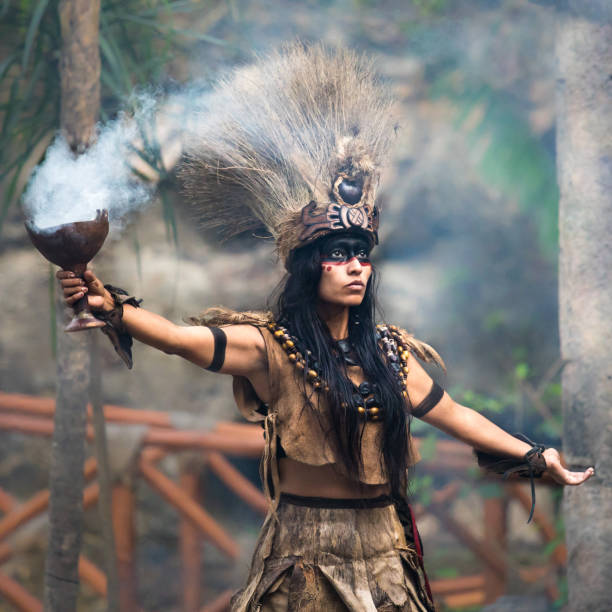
(338,217)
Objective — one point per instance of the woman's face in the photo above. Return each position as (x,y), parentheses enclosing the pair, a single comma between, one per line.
(346,269)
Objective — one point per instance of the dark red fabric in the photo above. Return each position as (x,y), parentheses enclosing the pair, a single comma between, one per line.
(419,549)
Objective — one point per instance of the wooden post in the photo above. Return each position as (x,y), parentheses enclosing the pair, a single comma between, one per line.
(191,543)
(584,171)
(104,479)
(123,526)
(80,100)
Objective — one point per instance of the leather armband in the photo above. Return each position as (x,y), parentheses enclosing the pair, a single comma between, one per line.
(429,402)
(219,352)
(114,328)
(531,466)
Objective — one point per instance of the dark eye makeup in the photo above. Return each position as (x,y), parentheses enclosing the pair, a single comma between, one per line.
(343,249)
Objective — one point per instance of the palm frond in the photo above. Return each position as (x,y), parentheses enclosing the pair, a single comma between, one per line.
(137,40)
(37,15)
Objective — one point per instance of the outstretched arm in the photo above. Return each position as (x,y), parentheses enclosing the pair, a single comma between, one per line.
(476,430)
(245,351)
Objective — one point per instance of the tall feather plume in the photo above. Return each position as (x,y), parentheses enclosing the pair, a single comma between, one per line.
(276,133)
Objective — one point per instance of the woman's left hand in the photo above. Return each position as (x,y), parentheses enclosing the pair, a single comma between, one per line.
(561,474)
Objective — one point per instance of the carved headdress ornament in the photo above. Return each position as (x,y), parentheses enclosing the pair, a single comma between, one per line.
(294,142)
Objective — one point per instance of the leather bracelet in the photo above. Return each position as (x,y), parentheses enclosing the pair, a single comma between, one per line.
(531,466)
(115,329)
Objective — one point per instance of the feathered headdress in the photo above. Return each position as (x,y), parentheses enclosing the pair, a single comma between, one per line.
(294,142)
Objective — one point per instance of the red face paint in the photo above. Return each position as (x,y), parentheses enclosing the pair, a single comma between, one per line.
(344,263)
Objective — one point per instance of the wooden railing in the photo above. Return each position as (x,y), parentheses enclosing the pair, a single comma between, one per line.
(34,416)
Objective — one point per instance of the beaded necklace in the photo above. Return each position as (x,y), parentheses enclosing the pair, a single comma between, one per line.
(366,399)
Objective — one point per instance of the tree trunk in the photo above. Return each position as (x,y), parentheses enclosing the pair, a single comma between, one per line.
(80,76)
(80,71)
(584,144)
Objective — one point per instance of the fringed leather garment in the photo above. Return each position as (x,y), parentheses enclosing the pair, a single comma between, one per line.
(318,553)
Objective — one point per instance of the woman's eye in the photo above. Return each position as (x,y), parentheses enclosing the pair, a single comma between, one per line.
(337,253)
(363,254)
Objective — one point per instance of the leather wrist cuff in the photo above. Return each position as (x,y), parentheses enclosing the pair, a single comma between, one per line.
(531,466)
(114,328)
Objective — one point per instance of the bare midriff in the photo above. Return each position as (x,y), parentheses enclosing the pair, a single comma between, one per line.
(323,481)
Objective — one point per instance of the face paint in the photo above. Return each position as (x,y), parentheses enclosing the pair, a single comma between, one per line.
(338,251)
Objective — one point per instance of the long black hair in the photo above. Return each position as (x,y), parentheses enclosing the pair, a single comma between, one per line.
(294,305)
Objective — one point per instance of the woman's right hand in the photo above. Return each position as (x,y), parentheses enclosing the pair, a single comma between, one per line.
(75,288)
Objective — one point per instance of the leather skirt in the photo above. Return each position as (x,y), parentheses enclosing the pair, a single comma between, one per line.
(316,554)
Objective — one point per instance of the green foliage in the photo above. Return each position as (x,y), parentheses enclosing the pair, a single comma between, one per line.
(561,602)
(138,39)
(494,320)
(447,572)
(507,155)
(521,371)
(480,402)
(551,427)
(538,402)
(421,489)
(30,33)
(427,448)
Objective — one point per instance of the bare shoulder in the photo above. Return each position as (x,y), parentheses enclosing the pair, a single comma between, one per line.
(245,353)
(418,381)
(244,337)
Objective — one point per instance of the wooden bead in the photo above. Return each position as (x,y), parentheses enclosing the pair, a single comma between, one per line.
(361,409)
(290,343)
(374,410)
(312,374)
(279,333)
(299,365)
(292,357)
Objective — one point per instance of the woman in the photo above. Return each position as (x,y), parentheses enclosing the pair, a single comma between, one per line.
(296,143)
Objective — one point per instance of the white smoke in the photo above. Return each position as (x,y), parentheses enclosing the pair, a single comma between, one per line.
(66,188)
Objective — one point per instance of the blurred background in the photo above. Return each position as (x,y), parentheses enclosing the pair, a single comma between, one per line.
(467,258)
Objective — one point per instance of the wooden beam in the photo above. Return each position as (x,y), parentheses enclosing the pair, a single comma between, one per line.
(173,494)
(237,482)
(15,594)
(190,543)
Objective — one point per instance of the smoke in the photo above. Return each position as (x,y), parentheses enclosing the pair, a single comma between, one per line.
(118,172)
